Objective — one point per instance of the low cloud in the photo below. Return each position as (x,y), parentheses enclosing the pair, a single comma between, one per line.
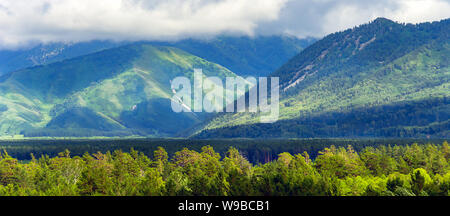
(23,22)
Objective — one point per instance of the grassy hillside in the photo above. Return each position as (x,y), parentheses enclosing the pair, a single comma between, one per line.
(378,79)
(124,90)
(120,91)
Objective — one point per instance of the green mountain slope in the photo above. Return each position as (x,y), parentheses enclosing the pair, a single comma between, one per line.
(120,91)
(246,56)
(378,79)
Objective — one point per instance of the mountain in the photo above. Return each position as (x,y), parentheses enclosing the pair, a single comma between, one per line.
(115,92)
(11,60)
(246,56)
(104,88)
(381,79)
(256,56)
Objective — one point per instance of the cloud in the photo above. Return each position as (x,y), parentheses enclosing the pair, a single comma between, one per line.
(25,21)
(34,21)
(320,17)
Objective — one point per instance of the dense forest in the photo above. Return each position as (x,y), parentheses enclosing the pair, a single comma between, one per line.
(254,150)
(400,170)
(425,118)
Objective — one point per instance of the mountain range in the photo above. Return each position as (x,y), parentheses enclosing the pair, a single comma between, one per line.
(255,56)
(381,79)
(103,88)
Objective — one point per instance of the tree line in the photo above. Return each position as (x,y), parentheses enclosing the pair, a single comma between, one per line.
(410,170)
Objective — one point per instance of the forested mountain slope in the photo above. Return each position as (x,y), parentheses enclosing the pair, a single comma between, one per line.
(378,79)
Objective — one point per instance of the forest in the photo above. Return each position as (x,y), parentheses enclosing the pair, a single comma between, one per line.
(425,118)
(383,170)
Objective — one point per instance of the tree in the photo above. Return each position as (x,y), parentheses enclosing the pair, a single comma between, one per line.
(419,180)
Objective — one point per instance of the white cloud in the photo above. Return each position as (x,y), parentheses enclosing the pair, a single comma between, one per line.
(416,11)
(321,17)
(409,11)
(25,21)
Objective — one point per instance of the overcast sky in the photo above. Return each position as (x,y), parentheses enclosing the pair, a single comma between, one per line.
(24,22)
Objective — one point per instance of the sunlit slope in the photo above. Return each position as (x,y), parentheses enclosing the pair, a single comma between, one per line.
(120,91)
(378,79)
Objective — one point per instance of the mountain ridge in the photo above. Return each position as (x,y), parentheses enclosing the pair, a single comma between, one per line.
(374,64)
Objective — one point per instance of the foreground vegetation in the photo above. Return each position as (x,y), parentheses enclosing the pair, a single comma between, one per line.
(408,170)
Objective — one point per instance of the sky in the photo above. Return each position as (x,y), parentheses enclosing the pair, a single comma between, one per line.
(25,22)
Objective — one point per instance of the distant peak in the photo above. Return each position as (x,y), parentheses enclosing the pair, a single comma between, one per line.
(383,20)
